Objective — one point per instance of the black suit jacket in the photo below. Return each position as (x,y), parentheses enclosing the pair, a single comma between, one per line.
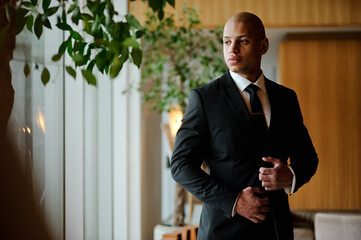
(216,129)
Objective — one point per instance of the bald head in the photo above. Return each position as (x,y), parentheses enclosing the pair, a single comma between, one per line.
(251,20)
(244,44)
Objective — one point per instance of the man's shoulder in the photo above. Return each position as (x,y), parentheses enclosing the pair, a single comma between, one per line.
(214,86)
(274,86)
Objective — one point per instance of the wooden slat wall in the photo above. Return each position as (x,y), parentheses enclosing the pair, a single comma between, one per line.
(274,13)
(326,76)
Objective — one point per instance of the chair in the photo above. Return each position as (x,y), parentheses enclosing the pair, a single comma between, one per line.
(336,226)
(183,233)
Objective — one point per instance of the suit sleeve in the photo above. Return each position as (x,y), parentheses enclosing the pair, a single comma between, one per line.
(303,156)
(191,145)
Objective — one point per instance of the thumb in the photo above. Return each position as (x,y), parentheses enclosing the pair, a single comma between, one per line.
(274,161)
(257,190)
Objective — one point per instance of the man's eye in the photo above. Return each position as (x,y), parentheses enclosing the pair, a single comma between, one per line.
(227,42)
(244,41)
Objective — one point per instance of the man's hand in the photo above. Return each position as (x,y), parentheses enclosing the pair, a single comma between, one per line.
(278,177)
(251,206)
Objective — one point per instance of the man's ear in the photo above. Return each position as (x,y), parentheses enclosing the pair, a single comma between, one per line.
(264,45)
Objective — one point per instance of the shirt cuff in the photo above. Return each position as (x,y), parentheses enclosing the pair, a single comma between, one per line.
(234,207)
(290,190)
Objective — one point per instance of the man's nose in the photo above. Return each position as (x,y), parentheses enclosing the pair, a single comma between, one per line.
(234,48)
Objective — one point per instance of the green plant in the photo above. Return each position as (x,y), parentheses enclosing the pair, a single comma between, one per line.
(178,58)
(94,36)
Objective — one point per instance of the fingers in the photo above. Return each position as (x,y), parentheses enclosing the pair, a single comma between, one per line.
(277,177)
(269,186)
(266,177)
(268,182)
(266,171)
(258,218)
(262,211)
(252,207)
(265,209)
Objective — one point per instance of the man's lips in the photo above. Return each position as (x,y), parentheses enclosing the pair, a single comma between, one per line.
(234,60)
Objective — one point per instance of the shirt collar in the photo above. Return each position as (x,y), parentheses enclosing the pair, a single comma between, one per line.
(242,83)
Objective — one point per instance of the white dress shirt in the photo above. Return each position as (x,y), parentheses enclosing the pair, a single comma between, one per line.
(242,83)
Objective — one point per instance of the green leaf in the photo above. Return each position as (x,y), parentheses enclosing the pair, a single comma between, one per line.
(56,57)
(160,14)
(90,78)
(38,26)
(139,34)
(78,59)
(87,27)
(76,16)
(46,23)
(95,27)
(124,54)
(46,4)
(115,46)
(155,4)
(64,26)
(75,35)
(28,4)
(137,56)
(45,76)
(51,11)
(171,2)
(79,46)
(91,65)
(100,8)
(120,31)
(72,7)
(130,42)
(71,71)
(116,67)
(30,23)
(63,15)
(20,20)
(101,60)
(34,2)
(70,47)
(92,5)
(62,47)
(86,17)
(26,69)
(106,69)
(132,21)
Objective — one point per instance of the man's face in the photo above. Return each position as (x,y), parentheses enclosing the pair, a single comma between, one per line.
(243,49)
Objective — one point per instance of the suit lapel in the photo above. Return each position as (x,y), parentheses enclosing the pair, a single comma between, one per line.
(274,143)
(274,97)
(235,100)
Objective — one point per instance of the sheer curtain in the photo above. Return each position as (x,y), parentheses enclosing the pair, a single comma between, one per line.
(79,144)
(36,124)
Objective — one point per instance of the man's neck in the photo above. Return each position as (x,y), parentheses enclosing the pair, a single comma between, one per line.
(252,77)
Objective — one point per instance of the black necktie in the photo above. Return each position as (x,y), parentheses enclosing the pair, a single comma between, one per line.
(258,119)
(259,129)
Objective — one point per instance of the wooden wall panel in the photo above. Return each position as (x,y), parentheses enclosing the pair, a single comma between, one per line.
(326,76)
(275,13)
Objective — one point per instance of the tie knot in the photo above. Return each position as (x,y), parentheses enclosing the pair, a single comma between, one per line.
(251,89)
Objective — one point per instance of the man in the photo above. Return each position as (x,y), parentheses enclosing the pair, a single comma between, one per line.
(245,128)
